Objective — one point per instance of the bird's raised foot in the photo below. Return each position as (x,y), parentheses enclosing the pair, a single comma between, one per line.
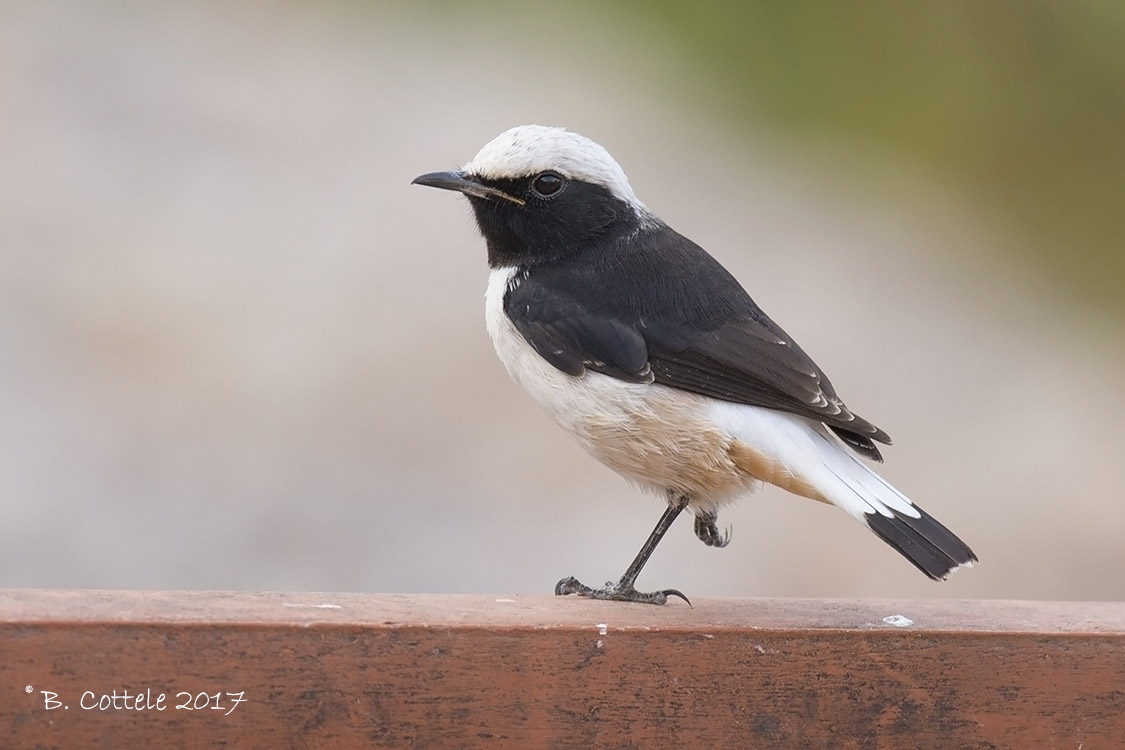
(617,592)
(708,531)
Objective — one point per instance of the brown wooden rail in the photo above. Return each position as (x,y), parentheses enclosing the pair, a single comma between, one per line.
(374,671)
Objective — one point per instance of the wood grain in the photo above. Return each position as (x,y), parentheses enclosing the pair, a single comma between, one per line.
(388,671)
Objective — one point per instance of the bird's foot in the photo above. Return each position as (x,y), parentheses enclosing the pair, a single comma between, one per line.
(618,592)
(707,530)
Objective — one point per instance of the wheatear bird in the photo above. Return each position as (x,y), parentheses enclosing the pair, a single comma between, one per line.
(649,352)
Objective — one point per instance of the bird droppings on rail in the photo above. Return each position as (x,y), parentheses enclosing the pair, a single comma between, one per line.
(302,605)
(505,601)
(898,621)
(603,628)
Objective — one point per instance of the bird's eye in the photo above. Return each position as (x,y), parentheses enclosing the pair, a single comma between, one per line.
(547,184)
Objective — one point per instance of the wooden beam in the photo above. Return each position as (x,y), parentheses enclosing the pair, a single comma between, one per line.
(251,670)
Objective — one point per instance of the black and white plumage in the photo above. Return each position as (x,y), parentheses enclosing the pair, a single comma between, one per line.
(651,354)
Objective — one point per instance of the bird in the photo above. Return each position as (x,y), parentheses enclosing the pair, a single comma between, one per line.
(641,345)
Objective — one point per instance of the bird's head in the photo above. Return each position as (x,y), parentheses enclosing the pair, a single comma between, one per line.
(542,193)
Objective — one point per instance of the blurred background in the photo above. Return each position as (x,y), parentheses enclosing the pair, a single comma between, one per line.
(238,350)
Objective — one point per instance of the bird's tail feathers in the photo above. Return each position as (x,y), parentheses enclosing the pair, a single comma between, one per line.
(918,536)
(801,456)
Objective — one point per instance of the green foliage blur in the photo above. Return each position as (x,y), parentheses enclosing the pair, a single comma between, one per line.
(1019,106)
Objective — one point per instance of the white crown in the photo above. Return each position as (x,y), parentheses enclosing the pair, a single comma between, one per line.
(530,149)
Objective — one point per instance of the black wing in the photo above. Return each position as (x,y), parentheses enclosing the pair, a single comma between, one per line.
(671,314)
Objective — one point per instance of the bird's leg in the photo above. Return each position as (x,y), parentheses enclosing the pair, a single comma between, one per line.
(623,590)
(708,531)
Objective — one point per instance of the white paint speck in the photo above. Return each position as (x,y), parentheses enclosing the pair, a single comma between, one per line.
(505,601)
(898,621)
(599,643)
(603,628)
(759,649)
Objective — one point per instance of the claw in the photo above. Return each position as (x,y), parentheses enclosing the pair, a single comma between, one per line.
(675,592)
(571,585)
(708,531)
(615,592)
(622,590)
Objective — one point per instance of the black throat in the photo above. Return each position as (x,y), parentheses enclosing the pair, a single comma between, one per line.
(542,230)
